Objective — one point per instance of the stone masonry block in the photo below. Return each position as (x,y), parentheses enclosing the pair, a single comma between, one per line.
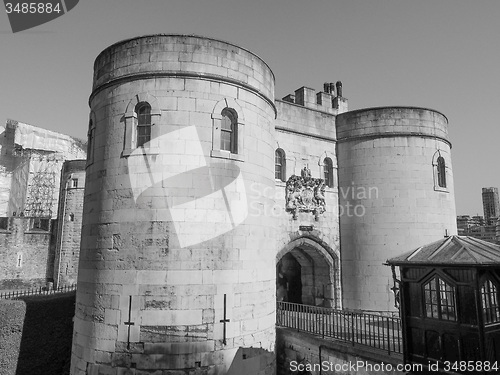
(171,317)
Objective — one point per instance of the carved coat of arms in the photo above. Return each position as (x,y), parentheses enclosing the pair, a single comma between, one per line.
(305,194)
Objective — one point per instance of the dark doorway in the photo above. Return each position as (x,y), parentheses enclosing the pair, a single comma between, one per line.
(288,280)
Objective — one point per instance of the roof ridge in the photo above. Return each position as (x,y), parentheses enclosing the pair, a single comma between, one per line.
(441,247)
(490,249)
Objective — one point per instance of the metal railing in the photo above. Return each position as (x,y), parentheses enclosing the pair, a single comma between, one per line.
(376,331)
(41,291)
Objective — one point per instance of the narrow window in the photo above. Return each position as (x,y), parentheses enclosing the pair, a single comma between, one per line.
(328,172)
(19,260)
(489,298)
(72,217)
(279,165)
(143,111)
(439,297)
(4,223)
(90,143)
(74,182)
(229,131)
(441,172)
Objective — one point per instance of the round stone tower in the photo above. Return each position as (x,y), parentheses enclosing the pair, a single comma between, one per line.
(175,275)
(69,222)
(395,194)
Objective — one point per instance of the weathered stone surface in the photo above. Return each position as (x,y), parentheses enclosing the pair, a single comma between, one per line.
(159,227)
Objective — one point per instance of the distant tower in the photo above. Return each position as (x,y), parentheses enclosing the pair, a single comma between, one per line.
(491,204)
(176,274)
(395,194)
(69,222)
(498,230)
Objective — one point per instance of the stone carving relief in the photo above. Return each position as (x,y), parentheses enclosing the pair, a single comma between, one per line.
(305,194)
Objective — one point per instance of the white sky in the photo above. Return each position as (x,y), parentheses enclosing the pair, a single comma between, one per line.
(443,55)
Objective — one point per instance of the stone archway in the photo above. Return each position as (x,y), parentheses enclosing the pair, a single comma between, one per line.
(311,271)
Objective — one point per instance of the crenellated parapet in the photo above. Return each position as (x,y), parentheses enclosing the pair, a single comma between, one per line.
(329,100)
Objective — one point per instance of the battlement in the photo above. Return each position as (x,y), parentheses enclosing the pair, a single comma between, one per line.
(329,100)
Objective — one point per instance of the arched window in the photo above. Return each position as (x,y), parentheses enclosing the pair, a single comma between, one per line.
(489,299)
(441,172)
(140,117)
(143,111)
(229,131)
(439,298)
(279,165)
(328,172)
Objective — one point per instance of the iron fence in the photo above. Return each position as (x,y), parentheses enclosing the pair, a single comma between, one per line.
(373,330)
(41,291)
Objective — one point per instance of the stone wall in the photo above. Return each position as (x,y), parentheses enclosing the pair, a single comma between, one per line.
(7,164)
(329,357)
(26,260)
(12,315)
(35,335)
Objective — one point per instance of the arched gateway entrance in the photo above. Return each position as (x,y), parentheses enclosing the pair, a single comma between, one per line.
(307,272)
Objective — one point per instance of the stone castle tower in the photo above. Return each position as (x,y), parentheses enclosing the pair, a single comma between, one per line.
(69,221)
(396,184)
(207,200)
(174,274)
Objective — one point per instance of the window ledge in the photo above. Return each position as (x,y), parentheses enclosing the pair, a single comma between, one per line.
(147,151)
(221,154)
(441,189)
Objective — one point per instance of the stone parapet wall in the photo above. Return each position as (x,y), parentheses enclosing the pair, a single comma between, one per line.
(330,357)
(390,121)
(301,121)
(203,57)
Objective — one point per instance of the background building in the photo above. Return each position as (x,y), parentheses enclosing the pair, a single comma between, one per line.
(482,227)
(491,205)
(31,159)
